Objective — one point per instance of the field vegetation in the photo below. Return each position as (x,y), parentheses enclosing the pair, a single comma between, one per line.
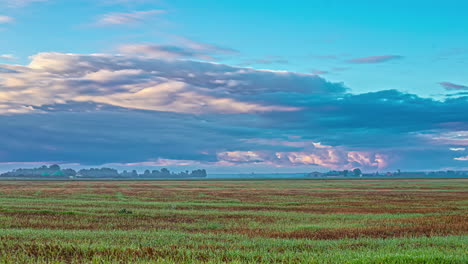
(254,221)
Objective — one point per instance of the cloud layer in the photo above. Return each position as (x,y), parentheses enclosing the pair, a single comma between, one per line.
(8,57)
(128,18)
(150,84)
(453,86)
(375,59)
(5,19)
(152,110)
(19,3)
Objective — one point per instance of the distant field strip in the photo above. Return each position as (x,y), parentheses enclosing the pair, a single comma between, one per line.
(257,221)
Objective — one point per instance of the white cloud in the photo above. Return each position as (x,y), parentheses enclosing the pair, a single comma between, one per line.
(20,3)
(465,158)
(308,153)
(184,48)
(149,84)
(7,57)
(214,114)
(6,19)
(457,149)
(162,51)
(158,163)
(108,76)
(450,138)
(127,18)
(332,157)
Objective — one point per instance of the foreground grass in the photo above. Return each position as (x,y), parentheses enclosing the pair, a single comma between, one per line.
(177,247)
(340,221)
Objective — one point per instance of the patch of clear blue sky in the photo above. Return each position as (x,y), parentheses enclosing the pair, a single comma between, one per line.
(432,36)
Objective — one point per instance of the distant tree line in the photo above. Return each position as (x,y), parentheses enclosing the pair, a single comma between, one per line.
(358,173)
(333,173)
(54,171)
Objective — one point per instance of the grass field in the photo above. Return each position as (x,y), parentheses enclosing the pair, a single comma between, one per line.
(263,221)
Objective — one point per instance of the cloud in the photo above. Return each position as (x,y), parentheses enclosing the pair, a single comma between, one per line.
(127,18)
(465,158)
(327,57)
(159,163)
(266,61)
(457,149)
(319,72)
(149,84)
(184,48)
(8,57)
(206,47)
(334,158)
(162,51)
(152,138)
(451,138)
(6,19)
(457,94)
(337,69)
(20,3)
(119,2)
(98,109)
(453,86)
(375,59)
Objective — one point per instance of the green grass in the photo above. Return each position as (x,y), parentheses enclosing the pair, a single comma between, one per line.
(178,247)
(280,221)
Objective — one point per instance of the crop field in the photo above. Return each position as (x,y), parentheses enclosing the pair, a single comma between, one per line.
(251,221)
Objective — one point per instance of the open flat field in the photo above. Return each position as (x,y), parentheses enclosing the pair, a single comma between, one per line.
(256,221)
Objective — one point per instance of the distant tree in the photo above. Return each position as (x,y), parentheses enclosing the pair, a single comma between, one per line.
(357,172)
(54,171)
(198,173)
(165,173)
(69,172)
(54,167)
(345,173)
(58,173)
(99,173)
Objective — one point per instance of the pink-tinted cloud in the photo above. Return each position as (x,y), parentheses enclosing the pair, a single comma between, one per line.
(21,3)
(457,149)
(36,163)
(375,59)
(450,138)
(6,19)
(453,86)
(319,72)
(324,156)
(8,57)
(127,18)
(158,163)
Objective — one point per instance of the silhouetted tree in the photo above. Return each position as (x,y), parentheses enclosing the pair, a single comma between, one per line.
(54,171)
(357,172)
(54,167)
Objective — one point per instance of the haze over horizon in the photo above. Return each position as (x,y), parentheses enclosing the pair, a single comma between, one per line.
(234,86)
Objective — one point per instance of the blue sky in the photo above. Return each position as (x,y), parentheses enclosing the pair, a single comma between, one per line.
(306,85)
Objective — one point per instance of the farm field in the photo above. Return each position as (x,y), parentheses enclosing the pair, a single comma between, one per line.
(236,221)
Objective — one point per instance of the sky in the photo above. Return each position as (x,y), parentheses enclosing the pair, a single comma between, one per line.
(234,86)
